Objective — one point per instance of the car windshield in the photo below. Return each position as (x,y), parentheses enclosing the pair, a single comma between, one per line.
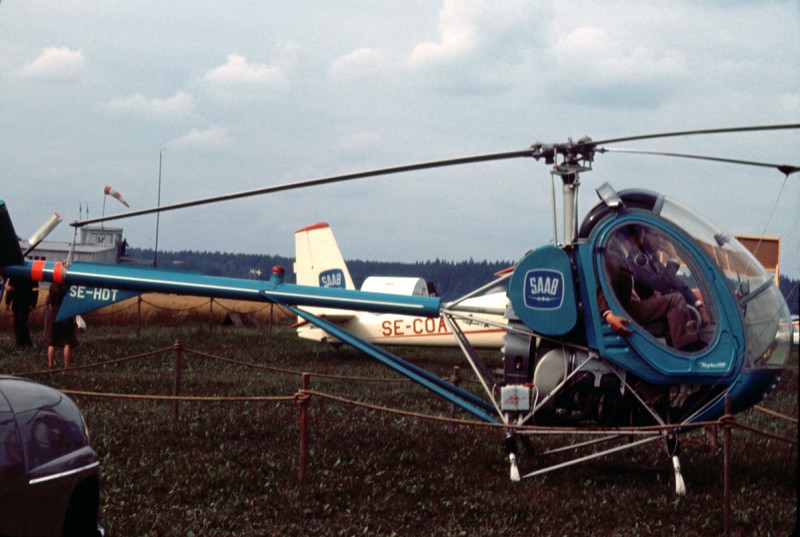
(50,423)
(10,452)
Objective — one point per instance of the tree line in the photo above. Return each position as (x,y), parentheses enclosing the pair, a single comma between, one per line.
(452,279)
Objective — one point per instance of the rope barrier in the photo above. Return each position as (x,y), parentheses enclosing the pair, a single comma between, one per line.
(96,364)
(766,434)
(115,311)
(303,396)
(291,371)
(399,412)
(191,398)
(158,307)
(226,308)
(518,428)
(775,414)
(244,364)
(216,303)
(387,380)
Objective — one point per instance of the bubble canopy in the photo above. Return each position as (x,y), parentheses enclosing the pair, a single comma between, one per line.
(764,314)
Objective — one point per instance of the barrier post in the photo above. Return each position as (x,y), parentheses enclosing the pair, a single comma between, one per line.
(139,316)
(456,380)
(304,383)
(726,468)
(211,315)
(269,327)
(176,385)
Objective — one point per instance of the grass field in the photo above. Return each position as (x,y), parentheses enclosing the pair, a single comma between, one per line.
(232,468)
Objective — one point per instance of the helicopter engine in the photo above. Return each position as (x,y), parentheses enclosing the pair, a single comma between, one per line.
(559,384)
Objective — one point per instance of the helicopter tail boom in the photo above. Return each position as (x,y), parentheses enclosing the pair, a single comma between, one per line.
(88,281)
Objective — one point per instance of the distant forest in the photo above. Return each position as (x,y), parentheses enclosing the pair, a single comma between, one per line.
(452,279)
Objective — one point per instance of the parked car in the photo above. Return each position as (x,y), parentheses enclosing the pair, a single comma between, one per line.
(49,474)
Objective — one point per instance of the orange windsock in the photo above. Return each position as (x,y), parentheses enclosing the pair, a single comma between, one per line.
(114,194)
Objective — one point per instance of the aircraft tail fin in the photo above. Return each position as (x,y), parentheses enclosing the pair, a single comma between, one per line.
(318,260)
(10,251)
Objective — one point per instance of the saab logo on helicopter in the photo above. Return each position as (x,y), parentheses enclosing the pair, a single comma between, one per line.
(332,278)
(544,289)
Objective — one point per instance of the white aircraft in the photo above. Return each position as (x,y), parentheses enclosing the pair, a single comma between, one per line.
(319,262)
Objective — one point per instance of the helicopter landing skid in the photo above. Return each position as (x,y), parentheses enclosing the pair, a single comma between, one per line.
(645,438)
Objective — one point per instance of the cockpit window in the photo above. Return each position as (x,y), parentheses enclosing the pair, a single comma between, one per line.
(740,267)
(763,311)
(656,281)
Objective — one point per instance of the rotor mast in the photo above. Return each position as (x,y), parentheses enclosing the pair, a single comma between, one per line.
(569,160)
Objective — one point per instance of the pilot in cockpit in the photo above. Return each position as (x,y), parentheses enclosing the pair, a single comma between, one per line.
(649,289)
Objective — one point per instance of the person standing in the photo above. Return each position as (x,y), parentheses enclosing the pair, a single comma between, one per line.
(21,298)
(61,333)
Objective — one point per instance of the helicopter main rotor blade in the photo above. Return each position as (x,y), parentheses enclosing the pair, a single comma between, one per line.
(675,134)
(786,169)
(529,152)
(584,149)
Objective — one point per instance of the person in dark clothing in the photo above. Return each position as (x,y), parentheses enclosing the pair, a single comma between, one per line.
(61,333)
(21,298)
(646,293)
(653,276)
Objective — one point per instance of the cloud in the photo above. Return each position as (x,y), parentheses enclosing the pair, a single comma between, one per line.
(481,45)
(594,52)
(358,62)
(211,139)
(55,64)
(589,62)
(240,79)
(374,84)
(180,105)
(791,103)
(458,37)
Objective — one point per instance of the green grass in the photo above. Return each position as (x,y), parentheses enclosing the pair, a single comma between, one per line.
(232,468)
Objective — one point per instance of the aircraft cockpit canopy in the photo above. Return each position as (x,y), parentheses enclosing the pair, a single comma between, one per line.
(764,314)
(642,261)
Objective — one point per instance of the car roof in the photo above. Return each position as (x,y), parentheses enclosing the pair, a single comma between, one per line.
(23,394)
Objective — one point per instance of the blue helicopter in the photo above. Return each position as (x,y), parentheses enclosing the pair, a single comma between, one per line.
(646,314)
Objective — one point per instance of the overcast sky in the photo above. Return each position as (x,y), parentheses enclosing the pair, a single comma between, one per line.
(245,94)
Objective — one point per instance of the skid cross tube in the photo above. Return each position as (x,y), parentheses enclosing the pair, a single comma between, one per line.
(599,454)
